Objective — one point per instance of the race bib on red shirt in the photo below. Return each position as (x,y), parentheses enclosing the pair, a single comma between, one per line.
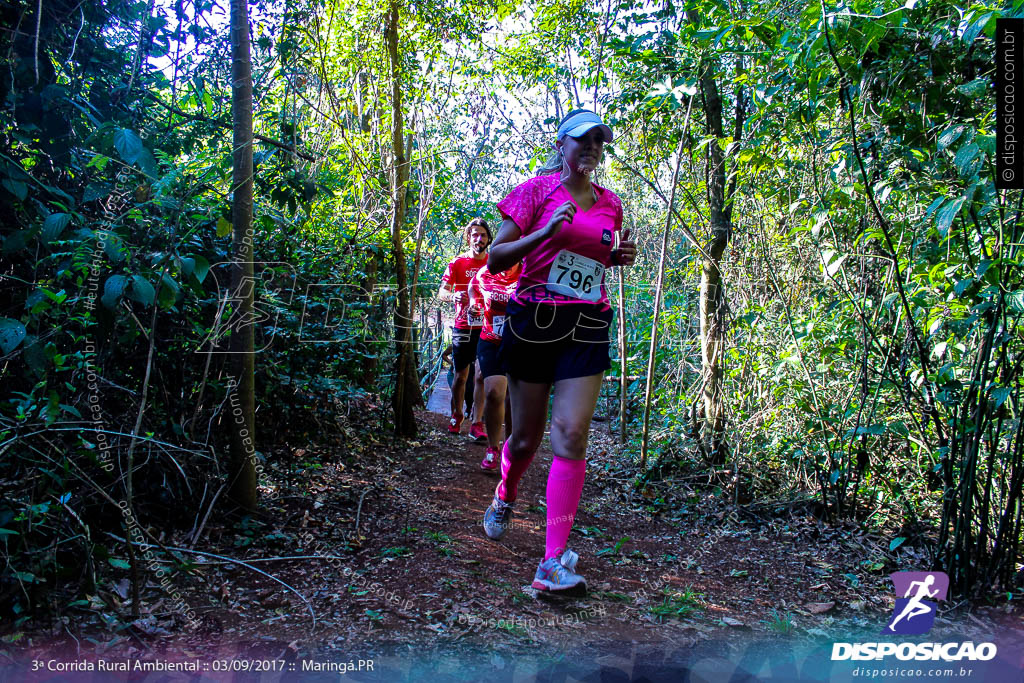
(458,275)
(495,291)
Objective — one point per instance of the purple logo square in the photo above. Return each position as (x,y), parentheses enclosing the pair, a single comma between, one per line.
(916,596)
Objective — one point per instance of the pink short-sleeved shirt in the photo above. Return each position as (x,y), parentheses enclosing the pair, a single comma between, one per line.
(591,235)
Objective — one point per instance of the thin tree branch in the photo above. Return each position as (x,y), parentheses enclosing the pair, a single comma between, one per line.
(262,138)
(232,560)
(689,234)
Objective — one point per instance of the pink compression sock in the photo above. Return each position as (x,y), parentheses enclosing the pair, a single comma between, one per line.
(511,472)
(565,485)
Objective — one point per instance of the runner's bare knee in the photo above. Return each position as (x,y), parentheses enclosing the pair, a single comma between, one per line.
(568,435)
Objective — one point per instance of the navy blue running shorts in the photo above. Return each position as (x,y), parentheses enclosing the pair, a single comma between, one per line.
(543,343)
(464,347)
(487,355)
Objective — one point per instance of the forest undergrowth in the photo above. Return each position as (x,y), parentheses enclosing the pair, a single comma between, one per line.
(222,230)
(389,554)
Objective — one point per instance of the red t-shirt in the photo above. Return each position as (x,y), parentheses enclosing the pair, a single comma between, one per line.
(568,268)
(492,293)
(457,275)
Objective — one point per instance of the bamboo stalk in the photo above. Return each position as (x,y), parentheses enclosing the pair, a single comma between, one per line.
(623,379)
(657,296)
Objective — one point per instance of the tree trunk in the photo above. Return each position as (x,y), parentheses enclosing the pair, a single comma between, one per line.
(649,386)
(712,299)
(426,199)
(623,359)
(407,387)
(364,114)
(243,474)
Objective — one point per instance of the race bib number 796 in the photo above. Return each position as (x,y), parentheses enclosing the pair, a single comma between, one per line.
(576,276)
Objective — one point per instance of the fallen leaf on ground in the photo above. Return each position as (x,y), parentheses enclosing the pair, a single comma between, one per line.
(819,607)
(150,627)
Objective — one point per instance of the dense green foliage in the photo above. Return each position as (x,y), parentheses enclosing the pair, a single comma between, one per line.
(872,278)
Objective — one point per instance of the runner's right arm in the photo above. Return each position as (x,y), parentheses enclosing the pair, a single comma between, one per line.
(510,247)
(445,291)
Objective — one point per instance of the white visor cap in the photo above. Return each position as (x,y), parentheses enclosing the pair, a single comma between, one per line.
(579,123)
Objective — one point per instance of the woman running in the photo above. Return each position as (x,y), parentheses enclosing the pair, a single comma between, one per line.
(491,293)
(562,226)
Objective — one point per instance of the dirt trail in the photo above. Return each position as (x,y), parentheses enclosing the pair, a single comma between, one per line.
(668,580)
(704,575)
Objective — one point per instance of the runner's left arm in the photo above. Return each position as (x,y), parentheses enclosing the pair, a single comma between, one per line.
(625,253)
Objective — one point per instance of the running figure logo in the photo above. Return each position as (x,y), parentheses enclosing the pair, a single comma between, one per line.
(914,612)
